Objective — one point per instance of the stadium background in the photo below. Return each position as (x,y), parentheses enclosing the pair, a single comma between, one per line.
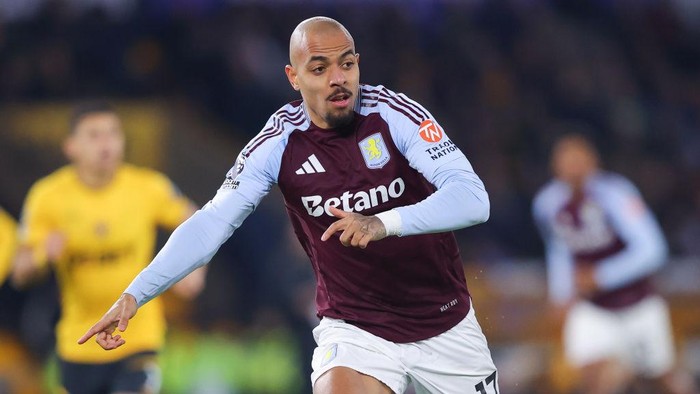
(195,79)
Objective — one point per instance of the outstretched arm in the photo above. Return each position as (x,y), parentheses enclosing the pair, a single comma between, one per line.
(189,247)
(192,244)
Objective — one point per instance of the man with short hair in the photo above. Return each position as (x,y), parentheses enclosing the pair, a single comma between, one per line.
(94,222)
(373,187)
(603,244)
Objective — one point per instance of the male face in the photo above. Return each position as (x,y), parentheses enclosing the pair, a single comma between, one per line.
(573,160)
(97,143)
(325,70)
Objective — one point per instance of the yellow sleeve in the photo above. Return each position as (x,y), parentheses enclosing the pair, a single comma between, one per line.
(36,223)
(172,208)
(8,243)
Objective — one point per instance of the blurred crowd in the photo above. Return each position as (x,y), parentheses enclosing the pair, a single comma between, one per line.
(504,78)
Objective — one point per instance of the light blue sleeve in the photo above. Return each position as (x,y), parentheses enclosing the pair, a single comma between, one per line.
(646,249)
(195,241)
(558,257)
(460,199)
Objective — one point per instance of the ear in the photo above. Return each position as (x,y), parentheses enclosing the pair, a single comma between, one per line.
(291,76)
(69,147)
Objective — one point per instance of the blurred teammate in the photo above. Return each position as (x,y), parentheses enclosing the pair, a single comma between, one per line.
(602,246)
(95,223)
(375,168)
(8,242)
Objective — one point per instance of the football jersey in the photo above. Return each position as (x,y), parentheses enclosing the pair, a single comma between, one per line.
(8,240)
(392,156)
(607,226)
(110,236)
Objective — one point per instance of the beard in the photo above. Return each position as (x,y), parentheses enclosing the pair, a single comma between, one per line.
(340,120)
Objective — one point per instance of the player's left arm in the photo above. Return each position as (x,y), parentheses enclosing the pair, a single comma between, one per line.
(460,200)
(646,249)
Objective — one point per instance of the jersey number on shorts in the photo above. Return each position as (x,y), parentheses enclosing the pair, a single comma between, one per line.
(491,379)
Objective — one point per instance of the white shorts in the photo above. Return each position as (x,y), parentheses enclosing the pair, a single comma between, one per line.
(640,336)
(456,361)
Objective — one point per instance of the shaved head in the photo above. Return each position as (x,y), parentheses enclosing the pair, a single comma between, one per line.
(318,25)
(324,69)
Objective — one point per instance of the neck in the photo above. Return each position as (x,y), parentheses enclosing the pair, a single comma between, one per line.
(94,179)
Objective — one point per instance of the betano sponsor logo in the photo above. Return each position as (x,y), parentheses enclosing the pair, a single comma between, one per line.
(354,202)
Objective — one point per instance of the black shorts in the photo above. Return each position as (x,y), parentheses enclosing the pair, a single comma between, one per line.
(137,373)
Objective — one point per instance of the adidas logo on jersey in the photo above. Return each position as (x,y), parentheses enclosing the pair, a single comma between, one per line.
(311,166)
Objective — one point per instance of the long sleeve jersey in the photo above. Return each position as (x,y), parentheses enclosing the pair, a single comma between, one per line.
(393,157)
(607,225)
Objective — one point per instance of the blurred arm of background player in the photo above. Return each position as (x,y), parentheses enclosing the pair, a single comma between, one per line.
(29,265)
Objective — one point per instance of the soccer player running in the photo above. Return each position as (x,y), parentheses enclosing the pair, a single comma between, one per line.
(373,187)
(94,222)
(603,244)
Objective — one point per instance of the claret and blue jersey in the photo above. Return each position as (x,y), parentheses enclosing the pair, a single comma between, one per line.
(606,225)
(393,155)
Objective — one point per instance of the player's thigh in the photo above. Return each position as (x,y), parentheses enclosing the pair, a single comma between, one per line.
(592,334)
(138,373)
(77,378)
(342,347)
(653,350)
(456,361)
(343,380)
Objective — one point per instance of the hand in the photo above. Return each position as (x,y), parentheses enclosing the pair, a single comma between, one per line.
(117,317)
(55,245)
(585,279)
(357,230)
(25,270)
(191,285)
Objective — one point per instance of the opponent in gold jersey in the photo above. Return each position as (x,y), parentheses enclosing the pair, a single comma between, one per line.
(94,222)
(8,240)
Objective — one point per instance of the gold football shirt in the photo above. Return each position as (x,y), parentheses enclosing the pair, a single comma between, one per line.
(8,240)
(110,235)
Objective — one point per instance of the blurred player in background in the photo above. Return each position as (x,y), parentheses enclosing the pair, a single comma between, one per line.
(8,242)
(603,244)
(375,168)
(94,222)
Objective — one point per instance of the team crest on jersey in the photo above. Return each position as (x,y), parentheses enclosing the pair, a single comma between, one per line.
(374,151)
(101,229)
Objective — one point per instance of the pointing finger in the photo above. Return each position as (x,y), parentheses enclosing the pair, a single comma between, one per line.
(339,213)
(332,229)
(96,329)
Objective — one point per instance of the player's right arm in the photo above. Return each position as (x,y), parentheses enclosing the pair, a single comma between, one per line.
(39,242)
(196,240)
(558,257)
